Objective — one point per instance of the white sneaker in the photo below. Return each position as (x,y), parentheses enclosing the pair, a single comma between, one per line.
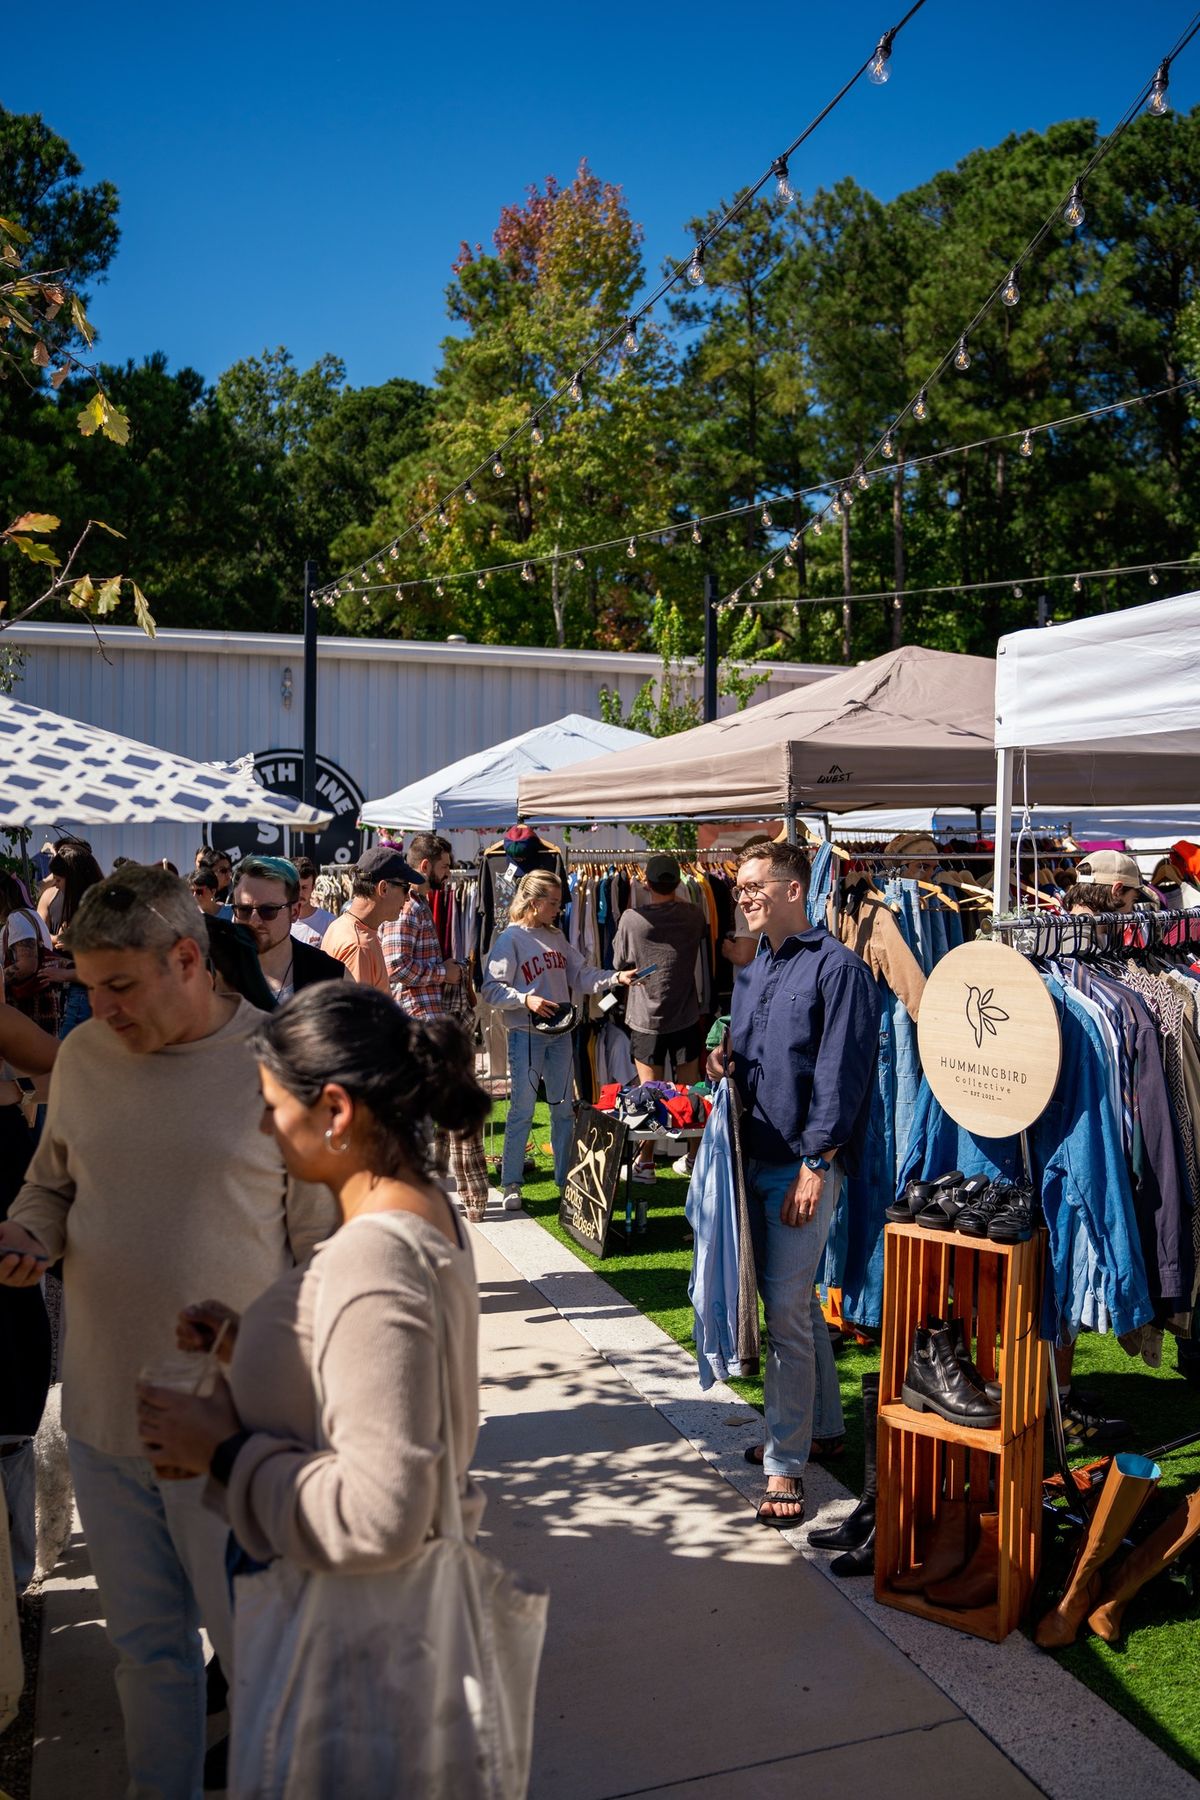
(512,1199)
(643,1172)
(682,1166)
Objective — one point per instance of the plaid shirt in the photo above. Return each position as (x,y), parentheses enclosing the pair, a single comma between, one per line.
(414,960)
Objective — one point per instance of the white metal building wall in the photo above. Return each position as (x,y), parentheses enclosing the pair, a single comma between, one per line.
(388,711)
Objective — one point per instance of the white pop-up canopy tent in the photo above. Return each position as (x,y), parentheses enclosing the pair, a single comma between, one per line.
(53,768)
(479,792)
(1119,693)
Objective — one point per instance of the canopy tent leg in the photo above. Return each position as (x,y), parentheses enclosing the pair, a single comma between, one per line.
(789,825)
(1002,866)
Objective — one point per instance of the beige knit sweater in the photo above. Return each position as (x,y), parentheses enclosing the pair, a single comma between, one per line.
(154,1183)
(342,1471)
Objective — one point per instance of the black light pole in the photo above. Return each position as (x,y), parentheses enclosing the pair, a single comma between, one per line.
(710,647)
(310,685)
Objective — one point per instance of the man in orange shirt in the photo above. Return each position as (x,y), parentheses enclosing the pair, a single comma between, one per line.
(382,880)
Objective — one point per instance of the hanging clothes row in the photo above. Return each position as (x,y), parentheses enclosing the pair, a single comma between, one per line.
(1115,1153)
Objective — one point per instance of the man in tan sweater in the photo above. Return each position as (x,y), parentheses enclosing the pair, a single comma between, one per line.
(155,1185)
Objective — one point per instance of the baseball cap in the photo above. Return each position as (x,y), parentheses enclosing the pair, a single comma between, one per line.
(1106,867)
(382,864)
(661,869)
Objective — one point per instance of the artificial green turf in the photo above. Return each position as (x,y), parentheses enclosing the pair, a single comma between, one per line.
(1154,1679)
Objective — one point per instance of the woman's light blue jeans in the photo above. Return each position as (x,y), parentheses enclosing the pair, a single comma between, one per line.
(534,1057)
(801,1394)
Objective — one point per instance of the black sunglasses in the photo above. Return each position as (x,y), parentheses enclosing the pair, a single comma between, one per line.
(266,913)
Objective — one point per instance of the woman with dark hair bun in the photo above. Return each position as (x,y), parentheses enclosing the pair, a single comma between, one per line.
(327,1440)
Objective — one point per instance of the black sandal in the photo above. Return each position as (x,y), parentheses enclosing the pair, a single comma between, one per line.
(782,1521)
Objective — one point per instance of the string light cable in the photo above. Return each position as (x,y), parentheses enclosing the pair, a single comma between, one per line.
(1015,585)
(690,527)
(1153,95)
(877,68)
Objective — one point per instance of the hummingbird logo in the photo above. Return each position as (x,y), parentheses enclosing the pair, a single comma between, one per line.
(982,1015)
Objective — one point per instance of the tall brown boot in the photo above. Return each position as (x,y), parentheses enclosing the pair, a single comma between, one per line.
(1127,1486)
(944,1553)
(978,1584)
(1143,1564)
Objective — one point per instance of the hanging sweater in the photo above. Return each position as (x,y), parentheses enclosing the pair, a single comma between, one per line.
(155,1185)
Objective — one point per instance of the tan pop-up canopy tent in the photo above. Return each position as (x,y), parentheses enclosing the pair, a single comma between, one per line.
(915,727)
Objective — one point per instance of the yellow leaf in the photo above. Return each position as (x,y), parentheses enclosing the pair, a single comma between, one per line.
(15,231)
(33,550)
(114,424)
(92,416)
(109,597)
(36,522)
(83,593)
(141,611)
(111,529)
(81,322)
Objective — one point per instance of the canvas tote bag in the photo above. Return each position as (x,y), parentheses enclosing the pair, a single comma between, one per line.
(415,1681)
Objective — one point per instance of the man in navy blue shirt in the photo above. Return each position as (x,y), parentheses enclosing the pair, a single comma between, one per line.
(804,1037)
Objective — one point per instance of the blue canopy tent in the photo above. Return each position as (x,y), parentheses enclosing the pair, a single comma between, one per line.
(479,792)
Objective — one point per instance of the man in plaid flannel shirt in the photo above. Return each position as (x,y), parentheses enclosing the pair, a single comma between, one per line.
(427,985)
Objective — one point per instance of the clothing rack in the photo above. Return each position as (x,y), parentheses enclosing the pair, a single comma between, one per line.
(601,858)
(1099,934)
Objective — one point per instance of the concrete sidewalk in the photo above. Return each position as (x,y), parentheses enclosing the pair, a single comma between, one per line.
(690,1652)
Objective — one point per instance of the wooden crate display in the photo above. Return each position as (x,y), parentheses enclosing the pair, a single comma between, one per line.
(926,1464)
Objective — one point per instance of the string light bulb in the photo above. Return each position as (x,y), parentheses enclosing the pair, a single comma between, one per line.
(861,478)
(756,585)
(394,551)
(770,571)
(498,466)
(695,273)
(847,498)
(766,517)
(527,572)
(789,561)
(1018,592)
(443,517)
(879,68)
(817,526)
(440,591)
(579,563)
(481,581)
(783,188)
(631,547)
(469,494)
(576,389)
(1073,211)
(697,534)
(835,507)
(537,435)
(631,338)
(379,568)
(1077,586)
(921,407)
(887,448)
(962,356)
(794,541)
(1154,578)
(1010,293)
(1160,102)
(1027,445)
(422,536)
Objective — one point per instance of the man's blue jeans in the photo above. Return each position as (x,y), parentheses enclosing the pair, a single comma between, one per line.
(158,1555)
(535,1057)
(801,1391)
(18,1488)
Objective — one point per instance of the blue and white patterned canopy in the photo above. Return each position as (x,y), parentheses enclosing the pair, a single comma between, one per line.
(54,768)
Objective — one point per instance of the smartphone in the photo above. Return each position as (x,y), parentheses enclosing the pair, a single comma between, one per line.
(641,974)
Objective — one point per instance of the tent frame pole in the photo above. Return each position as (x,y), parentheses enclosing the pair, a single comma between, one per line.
(1002,865)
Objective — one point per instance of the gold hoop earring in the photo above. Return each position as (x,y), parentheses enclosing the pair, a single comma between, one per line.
(338,1149)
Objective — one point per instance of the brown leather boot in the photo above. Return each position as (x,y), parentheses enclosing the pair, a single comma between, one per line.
(943,1553)
(1127,1486)
(1143,1564)
(978,1583)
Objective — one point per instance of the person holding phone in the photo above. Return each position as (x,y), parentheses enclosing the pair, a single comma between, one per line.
(531,973)
(663,1010)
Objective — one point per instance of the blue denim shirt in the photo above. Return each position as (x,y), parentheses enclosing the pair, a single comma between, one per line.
(805,1031)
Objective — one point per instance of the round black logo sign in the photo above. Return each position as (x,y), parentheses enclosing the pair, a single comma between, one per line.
(282,772)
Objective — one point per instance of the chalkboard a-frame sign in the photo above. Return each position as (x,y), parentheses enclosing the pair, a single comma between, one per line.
(590,1193)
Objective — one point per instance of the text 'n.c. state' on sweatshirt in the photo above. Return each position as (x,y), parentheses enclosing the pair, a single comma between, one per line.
(537,959)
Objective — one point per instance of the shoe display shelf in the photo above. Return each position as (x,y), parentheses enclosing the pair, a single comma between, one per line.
(935,1475)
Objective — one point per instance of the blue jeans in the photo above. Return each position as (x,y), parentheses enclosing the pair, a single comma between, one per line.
(801,1394)
(158,1555)
(18,1485)
(76,1008)
(532,1058)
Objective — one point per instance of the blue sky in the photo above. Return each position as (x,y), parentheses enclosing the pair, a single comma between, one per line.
(303,174)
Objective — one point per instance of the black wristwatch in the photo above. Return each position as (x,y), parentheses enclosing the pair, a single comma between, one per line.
(220,1465)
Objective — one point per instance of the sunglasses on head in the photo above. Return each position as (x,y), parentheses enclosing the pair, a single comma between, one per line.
(122,899)
(244,914)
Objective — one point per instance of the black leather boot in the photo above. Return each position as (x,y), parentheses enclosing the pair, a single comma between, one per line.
(857,1531)
(958,1339)
(933,1382)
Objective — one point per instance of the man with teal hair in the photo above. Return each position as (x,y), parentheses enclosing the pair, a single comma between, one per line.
(266,899)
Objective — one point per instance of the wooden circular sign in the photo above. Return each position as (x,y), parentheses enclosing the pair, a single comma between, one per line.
(989,1039)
